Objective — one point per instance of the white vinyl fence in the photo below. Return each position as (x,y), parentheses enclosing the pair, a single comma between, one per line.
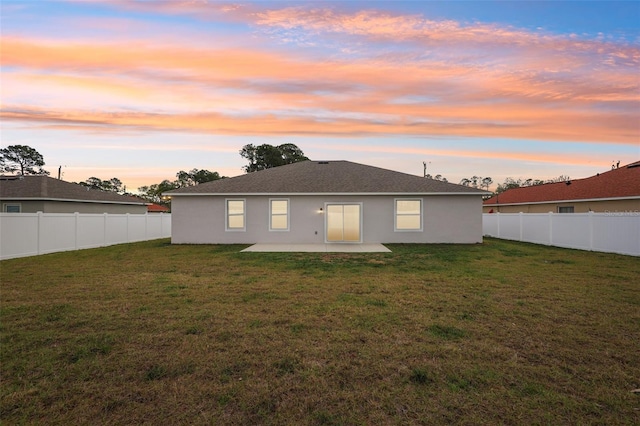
(614,232)
(30,234)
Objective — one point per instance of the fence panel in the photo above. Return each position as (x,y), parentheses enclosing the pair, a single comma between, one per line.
(490,224)
(57,232)
(136,228)
(509,227)
(619,234)
(571,230)
(538,229)
(18,235)
(29,234)
(607,232)
(90,232)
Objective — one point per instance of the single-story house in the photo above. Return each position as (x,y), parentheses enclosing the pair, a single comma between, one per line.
(326,202)
(615,190)
(32,194)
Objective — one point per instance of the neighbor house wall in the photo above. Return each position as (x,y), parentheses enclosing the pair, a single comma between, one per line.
(28,206)
(446,219)
(579,207)
(73,207)
(25,206)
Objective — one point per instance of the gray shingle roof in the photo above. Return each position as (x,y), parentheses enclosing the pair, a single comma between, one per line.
(47,188)
(325,177)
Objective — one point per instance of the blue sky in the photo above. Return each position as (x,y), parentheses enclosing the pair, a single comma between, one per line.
(139,90)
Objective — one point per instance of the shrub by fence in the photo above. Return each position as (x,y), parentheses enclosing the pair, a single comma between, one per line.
(29,234)
(614,232)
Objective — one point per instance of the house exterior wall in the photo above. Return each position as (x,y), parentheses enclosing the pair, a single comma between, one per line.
(446,219)
(579,207)
(29,206)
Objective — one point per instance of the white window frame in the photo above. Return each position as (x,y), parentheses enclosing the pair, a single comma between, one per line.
(6,206)
(227,215)
(395,215)
(271,214)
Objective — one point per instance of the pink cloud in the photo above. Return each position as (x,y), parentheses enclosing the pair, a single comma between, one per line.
(545,87)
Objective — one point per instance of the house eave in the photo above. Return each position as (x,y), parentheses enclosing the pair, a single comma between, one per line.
(581,200)
(281,194)
(72,200)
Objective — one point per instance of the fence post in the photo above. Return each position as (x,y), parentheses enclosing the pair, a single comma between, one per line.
(498,223)
(520,216)
(127,235)
(104,239)
(39,232)
(590,230)
(163,220)
(550,228)
(76,215)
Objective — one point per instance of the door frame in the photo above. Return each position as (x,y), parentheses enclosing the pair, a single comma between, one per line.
(326,220)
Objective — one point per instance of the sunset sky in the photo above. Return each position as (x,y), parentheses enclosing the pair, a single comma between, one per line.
(139,90)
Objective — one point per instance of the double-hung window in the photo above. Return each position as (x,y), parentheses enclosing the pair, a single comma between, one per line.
(235,215)
(408,214)
(279,215)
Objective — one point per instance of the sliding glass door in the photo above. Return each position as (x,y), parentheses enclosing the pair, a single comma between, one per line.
(344,223)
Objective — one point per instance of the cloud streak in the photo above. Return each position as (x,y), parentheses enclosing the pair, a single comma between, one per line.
(239,91)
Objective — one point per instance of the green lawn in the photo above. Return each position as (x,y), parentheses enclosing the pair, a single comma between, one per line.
(497,333)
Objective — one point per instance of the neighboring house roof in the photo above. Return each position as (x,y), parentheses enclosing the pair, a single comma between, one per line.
(325,177)
(47,188)
(619,183)
(157,208)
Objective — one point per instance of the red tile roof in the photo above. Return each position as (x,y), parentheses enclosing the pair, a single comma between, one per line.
(623,182)
(157,208)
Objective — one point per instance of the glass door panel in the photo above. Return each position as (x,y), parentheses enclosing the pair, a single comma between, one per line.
(351,230)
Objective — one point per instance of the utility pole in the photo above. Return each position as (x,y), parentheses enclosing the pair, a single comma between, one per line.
(424,163)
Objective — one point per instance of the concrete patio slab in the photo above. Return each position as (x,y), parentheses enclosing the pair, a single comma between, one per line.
(319,248)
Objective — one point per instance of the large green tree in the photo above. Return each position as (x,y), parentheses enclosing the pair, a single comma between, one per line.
(193,177)
(266,156)
(153,193)
(21,159)
(113,184)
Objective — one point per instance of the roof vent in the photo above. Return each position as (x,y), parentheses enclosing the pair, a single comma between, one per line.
(323,162)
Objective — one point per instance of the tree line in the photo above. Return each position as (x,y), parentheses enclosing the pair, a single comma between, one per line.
(509,183)
(24,160)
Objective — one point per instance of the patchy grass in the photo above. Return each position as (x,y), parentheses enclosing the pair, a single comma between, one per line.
(498,333)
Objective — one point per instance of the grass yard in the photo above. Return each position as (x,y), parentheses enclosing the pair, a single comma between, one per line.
(498,333)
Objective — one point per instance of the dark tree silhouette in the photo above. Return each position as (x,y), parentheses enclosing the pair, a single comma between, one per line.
(22,159)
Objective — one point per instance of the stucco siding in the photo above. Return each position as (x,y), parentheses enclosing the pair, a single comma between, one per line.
(453,219)
(446,219)
(73,207)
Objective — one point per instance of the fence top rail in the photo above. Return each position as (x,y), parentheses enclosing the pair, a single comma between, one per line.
(2,214)
(621,213)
